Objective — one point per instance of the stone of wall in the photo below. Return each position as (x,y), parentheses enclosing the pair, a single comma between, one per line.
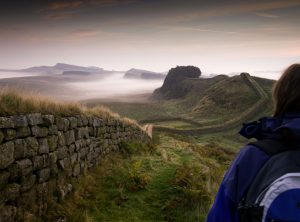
(40,154)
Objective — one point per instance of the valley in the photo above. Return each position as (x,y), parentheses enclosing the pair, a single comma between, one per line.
(195,139)
(210,105)
(193,123)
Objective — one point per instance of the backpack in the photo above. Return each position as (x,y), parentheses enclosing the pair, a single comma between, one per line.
(274,194)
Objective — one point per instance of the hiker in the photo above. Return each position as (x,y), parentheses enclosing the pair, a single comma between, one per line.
(263,182)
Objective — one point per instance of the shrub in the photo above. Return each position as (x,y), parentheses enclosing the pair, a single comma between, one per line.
(137,179)
(191,194)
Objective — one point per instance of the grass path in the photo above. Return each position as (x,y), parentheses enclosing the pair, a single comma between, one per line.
(175,180)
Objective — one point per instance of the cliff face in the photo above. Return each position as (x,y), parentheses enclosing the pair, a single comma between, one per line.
(173,86)
(41,154)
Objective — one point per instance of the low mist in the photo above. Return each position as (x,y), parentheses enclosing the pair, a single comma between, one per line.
(114,85)
(4,75)
(81,87)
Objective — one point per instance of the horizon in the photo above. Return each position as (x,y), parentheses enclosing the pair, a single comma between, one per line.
(218,37)
(269,74)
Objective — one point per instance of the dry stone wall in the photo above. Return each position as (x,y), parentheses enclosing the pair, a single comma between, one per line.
(40,154)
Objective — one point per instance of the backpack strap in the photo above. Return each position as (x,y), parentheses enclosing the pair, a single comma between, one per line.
(248,211)
(271,147)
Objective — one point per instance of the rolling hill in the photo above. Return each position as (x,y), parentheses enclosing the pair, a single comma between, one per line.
(186,102)
(59,68)
(194,141)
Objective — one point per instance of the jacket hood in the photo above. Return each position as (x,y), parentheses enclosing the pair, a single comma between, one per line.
(286,127)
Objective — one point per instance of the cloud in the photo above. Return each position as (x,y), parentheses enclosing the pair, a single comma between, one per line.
(83,33)
(59,10)
(61,5)
(198,29)
(267,5)
(232,8)
(64,5)
(267,15)
(111,2)
(247,7)
(93,33)
(59,15)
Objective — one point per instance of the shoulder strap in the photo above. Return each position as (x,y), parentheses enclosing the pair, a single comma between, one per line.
(265,176)
(271,147)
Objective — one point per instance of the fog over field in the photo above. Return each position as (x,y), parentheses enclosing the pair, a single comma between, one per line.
(114,85)
(106,86)
(76,88)
(4,75)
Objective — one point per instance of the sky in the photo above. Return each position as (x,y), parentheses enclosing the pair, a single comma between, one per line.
(219,37)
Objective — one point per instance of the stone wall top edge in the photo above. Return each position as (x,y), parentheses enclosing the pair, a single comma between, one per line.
(30,119)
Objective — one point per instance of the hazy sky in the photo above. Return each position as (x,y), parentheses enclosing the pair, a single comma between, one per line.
(217,36)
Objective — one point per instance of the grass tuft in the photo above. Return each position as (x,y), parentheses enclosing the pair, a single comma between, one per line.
(14,102)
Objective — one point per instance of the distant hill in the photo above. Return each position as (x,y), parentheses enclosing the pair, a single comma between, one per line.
(8,70)
(76,73)
(59,68)
(217,100)
(143,74)
(188,103)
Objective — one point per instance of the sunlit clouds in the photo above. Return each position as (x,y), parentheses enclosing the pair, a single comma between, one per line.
(267,15)
(56,5)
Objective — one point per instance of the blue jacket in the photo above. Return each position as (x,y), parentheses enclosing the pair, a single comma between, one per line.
(247,164)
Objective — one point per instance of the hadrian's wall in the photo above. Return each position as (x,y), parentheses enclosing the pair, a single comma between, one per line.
(40,154)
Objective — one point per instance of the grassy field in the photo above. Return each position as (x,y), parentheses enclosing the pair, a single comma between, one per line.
(173,180)
(208,102)
(177,124)
(176,177)
(139,111)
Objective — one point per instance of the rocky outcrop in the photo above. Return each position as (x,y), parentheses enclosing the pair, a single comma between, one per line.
(173,86)
(41,154)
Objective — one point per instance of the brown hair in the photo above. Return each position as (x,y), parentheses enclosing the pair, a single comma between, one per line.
(286,92)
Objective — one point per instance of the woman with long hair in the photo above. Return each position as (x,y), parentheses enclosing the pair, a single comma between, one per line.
(282,128)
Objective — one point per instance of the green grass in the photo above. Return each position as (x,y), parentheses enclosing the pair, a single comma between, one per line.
(177,178)
(173,180)
(209,102)
(176,124)
(142,111)
(229,140)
